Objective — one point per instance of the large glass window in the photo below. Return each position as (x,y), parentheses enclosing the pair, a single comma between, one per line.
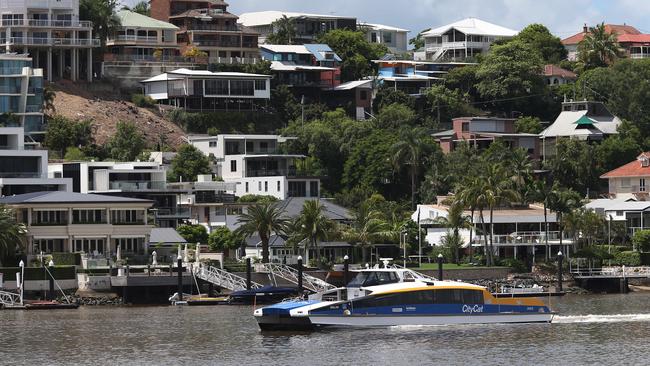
(89,216)
(47,246)
(127,217)
(90,246)
(242,87)
(216,87)
(49,218)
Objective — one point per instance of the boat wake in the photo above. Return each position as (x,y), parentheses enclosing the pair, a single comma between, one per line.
(611,318)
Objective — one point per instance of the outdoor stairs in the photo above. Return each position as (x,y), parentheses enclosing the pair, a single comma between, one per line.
(223,278)
(290,274)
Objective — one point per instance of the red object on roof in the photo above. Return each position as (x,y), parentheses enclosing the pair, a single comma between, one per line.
(620,30)
(552,70)
(632,169)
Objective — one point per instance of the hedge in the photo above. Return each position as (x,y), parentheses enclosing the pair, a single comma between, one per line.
(66,259)
(628,258)
(37,273)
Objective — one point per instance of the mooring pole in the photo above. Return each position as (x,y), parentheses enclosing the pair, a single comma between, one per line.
(180,278)
(560,257)
(346,270)
(300,275)
(248,274)
(440,258)
(51,292)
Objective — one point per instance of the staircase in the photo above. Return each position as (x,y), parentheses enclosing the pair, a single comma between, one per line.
(290,274)
(9,299)
(223,278)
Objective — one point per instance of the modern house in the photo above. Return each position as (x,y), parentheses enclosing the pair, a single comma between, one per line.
(413,76)
(634,214)
(303,66)
(23,167)
(634,43)
(555,75)
(208,26)
(584,120)
(52,34)
(396,39)
(480,132)
(463,39)
(201,90)
(518,232)
(629,181)
(308,26)
(21,94)
(73,222)
(257,164)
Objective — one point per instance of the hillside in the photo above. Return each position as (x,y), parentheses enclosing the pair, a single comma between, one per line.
(105,107)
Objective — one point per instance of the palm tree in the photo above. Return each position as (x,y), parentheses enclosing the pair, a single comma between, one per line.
(598,47)
(11,234)
(102,14)
(141,8)
(409,150)
(313,225)
(284,31)
(48,99)
(367,227)
(542,193)
(469,194)
(264,220)
(455,220)
(563,201)
(522,169)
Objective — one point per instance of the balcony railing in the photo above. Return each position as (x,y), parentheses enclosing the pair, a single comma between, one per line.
(5,71)
(215,43)
(126,223)
(271,173)
(38,23)
(212,27)
(524,238)
(131,186)
(4,174)
(147,58)
(83,222)
(233,60)
(179,212)
(58,223)
(36,41)
(140,39)
(5,89)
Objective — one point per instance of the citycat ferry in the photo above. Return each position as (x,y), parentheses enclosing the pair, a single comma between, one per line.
(391,296)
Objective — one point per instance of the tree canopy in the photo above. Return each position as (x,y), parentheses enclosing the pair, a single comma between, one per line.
(127,142)
(188,163)
(355,50)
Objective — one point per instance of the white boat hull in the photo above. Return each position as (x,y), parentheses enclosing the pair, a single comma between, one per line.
(383,320)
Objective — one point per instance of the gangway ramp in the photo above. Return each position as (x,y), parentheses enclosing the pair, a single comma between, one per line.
(290,274)
(9,299)
(223,278)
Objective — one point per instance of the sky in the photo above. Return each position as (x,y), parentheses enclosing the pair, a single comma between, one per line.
(563,17)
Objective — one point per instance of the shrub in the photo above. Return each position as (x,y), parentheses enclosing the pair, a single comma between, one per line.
(641,240)
(256,198)
(516,265)
(143,101)
(628,258)
(66,259)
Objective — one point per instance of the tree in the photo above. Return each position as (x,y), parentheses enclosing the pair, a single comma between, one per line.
(574,165)
(222,239)
(446,104)
(63,133)
(48,99)
(464,79)
(454,221)
(193,52)
(540,38)
(264,220)
(598,48)
(102,14)
(395,116)
(188,163)
(142,8)
(542,192)
(355,51)
(563,201)
(368,162)
(641,240)
(11,235)
(366,228)
(312,226)
(418,41)
(74,154)
(127,142)
(410,150)
(528,125)
(194,234)
(387,96)
(283,31)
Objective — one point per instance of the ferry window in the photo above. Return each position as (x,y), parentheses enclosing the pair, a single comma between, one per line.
(458,297)
(472,297)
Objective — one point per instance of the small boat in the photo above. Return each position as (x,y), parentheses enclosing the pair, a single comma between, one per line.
(262,295)
(206,301)
(49,305)
(391,296)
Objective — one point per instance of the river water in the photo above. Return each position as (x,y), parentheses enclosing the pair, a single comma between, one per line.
(592,329)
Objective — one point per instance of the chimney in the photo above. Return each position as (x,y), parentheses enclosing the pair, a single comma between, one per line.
(585,29)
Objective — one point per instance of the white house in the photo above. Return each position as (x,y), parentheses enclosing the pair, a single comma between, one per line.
(396,39)
(463,39)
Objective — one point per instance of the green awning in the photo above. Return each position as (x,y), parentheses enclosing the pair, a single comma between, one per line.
(584,120)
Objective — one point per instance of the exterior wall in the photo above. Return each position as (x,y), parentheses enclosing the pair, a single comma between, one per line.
(398,40)
(267,186)
(160,9)
(629,185)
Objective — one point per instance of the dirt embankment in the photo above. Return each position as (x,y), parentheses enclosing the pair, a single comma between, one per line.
(105,106)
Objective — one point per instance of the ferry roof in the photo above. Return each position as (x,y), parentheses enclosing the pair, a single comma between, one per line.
(419,285)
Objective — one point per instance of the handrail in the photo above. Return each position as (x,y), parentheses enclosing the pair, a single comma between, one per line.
(9,298)
(223,278)
(290,274)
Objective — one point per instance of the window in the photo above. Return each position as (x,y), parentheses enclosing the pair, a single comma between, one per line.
(313,189)
(260,84)
(266,186)
(264,146)
(122,217)
(298,189)
(233,165)
(242,87)
(465,127)
(246,187)
(88,216)
(90,246)
(213,144)
(625,182)
(216,87)
(259,186)
(642,185)
(388,37)
(363,95)
(232,148)
(250,147)
(278,189)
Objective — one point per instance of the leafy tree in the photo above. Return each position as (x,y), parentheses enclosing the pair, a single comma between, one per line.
(540,38)
(194,234)
(395,116)
(464,79)
(312,226)
(256,198)
(74,154)
(194,52)
(142,8)
(285,104)
(598,48)
(284,31)
(641,240)
(563,201)
(616,151)
(387,96)
(410,149)
(11,235)
(355,50)
(221,238)
(366,228)
(446,104)
(127,142)
(369,161)
(188,163)
(454,221)
(574,165)
(63,133)
(102,14)
(48,99)
(528,125)
(263,220)
(418,41)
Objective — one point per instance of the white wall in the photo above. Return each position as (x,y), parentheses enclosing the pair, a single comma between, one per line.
(267,186)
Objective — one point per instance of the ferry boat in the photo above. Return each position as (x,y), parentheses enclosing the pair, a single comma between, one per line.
(391,296)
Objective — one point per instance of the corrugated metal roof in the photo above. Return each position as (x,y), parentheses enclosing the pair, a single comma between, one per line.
(257,18)
(565,125)
(67,197)
(376,26)
(473,26)
(135,20)
(165,235)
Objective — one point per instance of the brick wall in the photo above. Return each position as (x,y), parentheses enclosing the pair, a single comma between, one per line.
(160,9)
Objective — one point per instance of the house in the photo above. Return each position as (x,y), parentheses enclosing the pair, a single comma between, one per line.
(518,232)
(396,39)
(635,215)
(74,222)
(52,34)
(356,95)
(23,167)
(303,66)
(201,90)
(583,120)
(208,26)
(480,132)
(257,164)
(629,181)
(308,26)
(555,75)
(412,76)
(632,41)
(463,39)
(21,94)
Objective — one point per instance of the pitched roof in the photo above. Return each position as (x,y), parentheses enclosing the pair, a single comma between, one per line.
(135,20)
(376,26)
(572,123)
(631,169)
(197,13)
(620,30)
(633,38)
(553,70)
(473,26)
(67,197)
(165,235)
(253,19)
(179,73)
(293,207)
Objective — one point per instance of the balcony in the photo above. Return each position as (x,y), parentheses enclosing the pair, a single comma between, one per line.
(212,27)
(85,222)
(8,71)
(136,39)
(455,45)
(42,41)
(233,60)
(172,212)
(134,186)
(59,223)
(524,238)
(4,174)
(271,173)
(215,43)
(38,23)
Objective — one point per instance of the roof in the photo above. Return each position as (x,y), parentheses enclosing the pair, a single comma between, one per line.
(553,70)
(135,20)
(473,26)
(293,207)
(196,13)
(446,133)
(620,30)
(353,85)
(165,235)
(291,66)
(67,197)
(286,48)
(631,169)
(257,18)
(531,214)
(376,26)
(568,124)
(617,204)
(179,73)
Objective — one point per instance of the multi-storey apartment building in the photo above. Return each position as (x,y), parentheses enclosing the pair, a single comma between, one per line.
(23,167)
(257,164)
(207,25)
(21,94)
(52,34)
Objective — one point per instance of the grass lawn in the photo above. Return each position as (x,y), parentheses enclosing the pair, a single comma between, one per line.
(434,266)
